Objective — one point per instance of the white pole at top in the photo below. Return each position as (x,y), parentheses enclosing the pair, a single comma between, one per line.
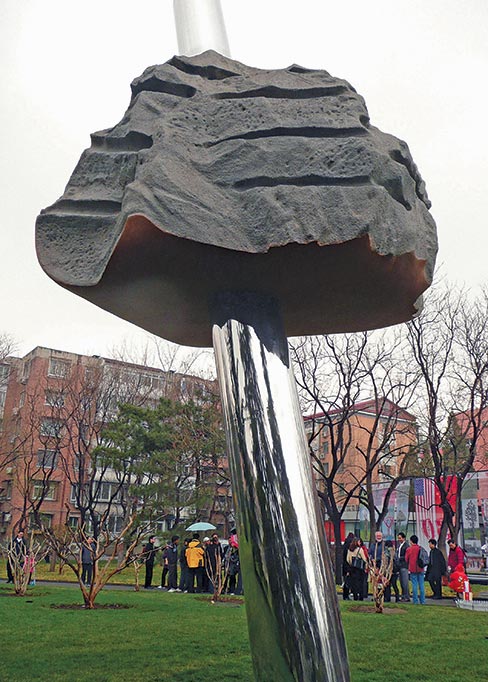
(200,27)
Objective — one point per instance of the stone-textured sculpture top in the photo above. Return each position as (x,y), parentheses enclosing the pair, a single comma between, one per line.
(223,177)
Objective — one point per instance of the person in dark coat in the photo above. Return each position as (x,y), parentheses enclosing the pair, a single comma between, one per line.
(356,553)
(400,551)
(148,555)
(436,568)
(184,571)
(346,569)
(87,559)
(170,561)
(213,562)
(18,548)
(377,547)
(393,584)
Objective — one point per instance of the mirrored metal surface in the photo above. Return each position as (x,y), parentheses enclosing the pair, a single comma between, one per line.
(293,615)
(200,27)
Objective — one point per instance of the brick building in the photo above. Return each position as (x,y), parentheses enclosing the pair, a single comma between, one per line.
(53,407)
(365,444)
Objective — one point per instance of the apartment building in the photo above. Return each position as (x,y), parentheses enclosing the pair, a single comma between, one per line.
(363,444)
(53,407)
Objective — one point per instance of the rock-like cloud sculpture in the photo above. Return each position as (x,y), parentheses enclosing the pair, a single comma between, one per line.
(223,177)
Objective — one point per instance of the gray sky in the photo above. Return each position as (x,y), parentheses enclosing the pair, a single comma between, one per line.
(65,72)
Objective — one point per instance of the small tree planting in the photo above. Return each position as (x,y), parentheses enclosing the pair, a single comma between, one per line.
(69,542)
(380,576)
(23,561)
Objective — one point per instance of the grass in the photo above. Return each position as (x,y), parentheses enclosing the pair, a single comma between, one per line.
(183,638)
(162,637)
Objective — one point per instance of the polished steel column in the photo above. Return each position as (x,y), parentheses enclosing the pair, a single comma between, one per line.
(200,26)
(291,602)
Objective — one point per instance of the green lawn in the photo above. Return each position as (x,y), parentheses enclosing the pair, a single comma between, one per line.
(183,638)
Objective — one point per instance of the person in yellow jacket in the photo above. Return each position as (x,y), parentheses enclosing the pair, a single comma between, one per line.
(195,559)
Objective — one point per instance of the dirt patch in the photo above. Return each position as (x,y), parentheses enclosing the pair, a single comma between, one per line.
(369,608)
(96,607)
(228,601)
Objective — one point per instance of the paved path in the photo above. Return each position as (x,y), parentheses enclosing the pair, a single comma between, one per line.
(445,602)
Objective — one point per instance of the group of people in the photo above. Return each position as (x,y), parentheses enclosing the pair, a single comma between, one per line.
(410,563)
(204,565)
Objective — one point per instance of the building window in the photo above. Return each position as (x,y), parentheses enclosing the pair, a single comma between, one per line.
(325,447)
(7,490)
(4,372)
(54,398)
(47,459)
(104,492)
(45,491)
(59,368)
(84,430)
(3,395)
(26,370)
(46,520)
(51,428)
(115,524)
(107,492)
(73,521)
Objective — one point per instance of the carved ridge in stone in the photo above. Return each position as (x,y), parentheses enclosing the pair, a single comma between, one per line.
(155,84)
(293,132)
(275,92)
(301,181)
(209,72)
(132,142)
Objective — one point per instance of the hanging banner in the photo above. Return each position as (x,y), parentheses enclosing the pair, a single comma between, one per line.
(396,518)
(483,507)
(470,522)
(362,523)
(379,494)
(401,507)
(428,517)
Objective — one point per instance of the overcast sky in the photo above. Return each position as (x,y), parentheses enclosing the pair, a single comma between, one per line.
(65,72)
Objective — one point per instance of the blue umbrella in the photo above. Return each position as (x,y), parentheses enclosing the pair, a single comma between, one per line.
(201,525)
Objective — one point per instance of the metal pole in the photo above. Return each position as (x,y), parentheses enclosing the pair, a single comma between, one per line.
(291,602)
(200,27)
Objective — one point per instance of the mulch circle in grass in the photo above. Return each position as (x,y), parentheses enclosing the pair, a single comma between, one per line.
(369,608)
(96,607)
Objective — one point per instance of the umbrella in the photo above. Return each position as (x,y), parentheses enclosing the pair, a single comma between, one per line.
(201,525)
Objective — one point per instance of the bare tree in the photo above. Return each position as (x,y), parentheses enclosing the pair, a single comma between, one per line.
(8,345)
(69,542)
(334,375)
(380,572)
(449,343)
(170,357)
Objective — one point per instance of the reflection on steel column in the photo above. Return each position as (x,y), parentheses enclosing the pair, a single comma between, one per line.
(291,602)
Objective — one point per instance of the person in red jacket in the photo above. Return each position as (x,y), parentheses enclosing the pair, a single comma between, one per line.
(456,556)
(416,574)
